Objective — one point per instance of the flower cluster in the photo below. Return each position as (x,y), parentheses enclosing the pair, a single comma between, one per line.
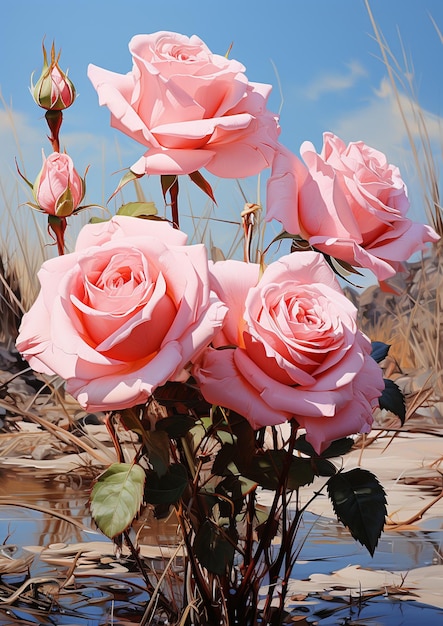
(58,189)
(134,307)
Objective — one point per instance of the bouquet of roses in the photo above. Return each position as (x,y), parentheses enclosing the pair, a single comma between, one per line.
(234,376)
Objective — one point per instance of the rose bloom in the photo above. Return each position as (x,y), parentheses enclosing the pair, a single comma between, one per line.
(123,314)
(58,189)
(349,203)
(190,108)
(290,349)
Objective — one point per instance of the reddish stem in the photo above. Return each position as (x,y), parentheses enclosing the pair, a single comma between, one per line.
(173,193)
(54,120)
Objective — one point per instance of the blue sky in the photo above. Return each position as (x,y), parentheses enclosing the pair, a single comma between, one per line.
(319,55)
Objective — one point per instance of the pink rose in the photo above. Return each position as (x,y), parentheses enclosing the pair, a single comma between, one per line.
(190,108)
(123,314)
(291,349)
(349,203)
(58,189)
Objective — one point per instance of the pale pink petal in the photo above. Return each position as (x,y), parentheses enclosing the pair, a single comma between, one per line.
(123,226)
(173,162)
(130,387)
(115,92)
(231,281)
(222,384)
(288,174)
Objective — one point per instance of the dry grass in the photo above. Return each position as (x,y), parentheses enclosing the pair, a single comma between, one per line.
(413,321)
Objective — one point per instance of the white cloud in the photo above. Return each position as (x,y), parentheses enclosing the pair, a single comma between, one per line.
(381,125)
(326,83)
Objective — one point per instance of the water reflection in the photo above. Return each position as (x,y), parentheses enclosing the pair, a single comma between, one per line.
(120,598)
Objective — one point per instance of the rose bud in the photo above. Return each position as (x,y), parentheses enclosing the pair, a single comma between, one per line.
(58,189)
(53,90)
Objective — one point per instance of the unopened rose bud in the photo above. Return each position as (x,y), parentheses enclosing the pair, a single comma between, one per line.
(58,189)
(53,90)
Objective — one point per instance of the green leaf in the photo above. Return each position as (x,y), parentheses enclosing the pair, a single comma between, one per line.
(379,350)
(127,178)
(268,528)
(231,490)
(138,209)
(225,456)
(323,467)
(337,448)
(392,399)
(225,435)
(98,220)
(213,548)
(130,418)
(203,184)
(266,469)
(359,502)
(176,426)
(116,497)
(166,489)
(157,444)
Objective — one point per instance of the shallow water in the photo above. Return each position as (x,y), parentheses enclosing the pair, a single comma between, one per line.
(119,598)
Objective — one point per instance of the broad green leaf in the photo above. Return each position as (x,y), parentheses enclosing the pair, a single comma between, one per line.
(166,489)
(266,469)
(379,350)
(116,497)
(323,467)
(230,488)
(138,209)
(130,419)
(176,426)
(225,436)
(157,444)
(392,399)
(244,439)
(213,548)
(247,485)
(225,457)
(269,527)
(336,448)
(359,502)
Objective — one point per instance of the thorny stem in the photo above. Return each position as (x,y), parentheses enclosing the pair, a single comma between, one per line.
(115,440)
(287,533)
(173,193)
(266,537)
(164,603)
